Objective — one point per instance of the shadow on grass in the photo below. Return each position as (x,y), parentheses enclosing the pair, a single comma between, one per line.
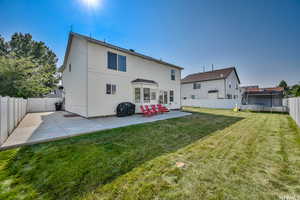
(69,168)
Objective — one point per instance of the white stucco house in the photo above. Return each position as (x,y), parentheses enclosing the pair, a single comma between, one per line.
(215,84)
(97,76)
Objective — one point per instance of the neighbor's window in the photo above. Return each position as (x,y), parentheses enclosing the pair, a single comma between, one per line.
(165,97)
(70,67)
(146,95)
(153,95)
(111,89)
(137,95)
(173,74)
(229,96)
(171,96)
(193,97)
(196,86)
(112,60)
(122,63)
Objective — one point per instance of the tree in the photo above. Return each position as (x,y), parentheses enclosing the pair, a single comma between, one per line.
(283,84)
(33,63)
(295,90)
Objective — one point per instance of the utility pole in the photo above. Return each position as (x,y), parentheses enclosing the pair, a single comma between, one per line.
(212,67)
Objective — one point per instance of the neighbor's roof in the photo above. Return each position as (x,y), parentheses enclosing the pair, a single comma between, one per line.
(92,40)
(210,75)
(264,90)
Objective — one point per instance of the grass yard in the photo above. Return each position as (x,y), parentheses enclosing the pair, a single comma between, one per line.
(227,155)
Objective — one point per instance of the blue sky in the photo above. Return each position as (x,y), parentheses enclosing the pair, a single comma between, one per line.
(260,37)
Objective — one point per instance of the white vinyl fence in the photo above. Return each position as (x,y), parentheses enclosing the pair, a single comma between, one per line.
(211,103)
(294,109)
(13,110)
(42,104)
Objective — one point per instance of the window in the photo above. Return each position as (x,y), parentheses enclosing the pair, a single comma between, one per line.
(196,86)
(171,96)
(153,95)
(122,63)
(146,95)
(70,67)
(165,97)
(235,96)
(116,62)
(173,74)
(236,86)
(112,60)
(229,96)
(111,89)
(229,85)
(137,95)
(193,97)
(161,98)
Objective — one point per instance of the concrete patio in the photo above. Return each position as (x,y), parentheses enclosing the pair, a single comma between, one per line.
(49,126)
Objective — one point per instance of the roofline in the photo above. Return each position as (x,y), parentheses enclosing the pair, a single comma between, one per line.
(203,80)
(221,78)
(92,40)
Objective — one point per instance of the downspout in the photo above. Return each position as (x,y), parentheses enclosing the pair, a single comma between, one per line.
(225,95)
(87,79)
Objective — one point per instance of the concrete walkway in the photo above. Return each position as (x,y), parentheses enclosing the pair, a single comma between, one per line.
(49,126)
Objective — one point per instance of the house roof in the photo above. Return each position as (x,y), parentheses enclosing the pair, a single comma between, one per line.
(210,75)
(128,51)
(260,91)
(140,80)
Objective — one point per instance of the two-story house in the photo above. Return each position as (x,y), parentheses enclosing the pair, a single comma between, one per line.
(97,76)
(215,84)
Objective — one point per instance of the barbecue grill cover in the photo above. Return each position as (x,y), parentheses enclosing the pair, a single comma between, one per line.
(125,109)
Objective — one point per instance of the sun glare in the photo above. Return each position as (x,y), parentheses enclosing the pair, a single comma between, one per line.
(91,3)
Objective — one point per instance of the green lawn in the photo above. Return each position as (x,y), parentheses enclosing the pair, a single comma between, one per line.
(227,155)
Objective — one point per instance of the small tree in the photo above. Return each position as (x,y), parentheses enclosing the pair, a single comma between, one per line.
(27,67)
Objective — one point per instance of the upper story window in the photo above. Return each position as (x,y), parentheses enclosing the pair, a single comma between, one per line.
(173,74)
(112,60)
(116,62)
(122,63)
(196,86)
(70,67)
(111,89)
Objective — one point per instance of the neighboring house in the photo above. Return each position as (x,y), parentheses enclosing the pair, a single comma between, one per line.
(267,97)
(56,93)
(216,84)
(97,76)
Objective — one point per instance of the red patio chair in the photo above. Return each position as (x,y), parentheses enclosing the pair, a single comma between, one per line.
(162,108)
(155,109)
(145,112)
(149,110)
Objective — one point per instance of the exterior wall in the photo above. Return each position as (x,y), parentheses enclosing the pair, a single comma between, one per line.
(187,90)
(234,89)
(75,82)
(101,104)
